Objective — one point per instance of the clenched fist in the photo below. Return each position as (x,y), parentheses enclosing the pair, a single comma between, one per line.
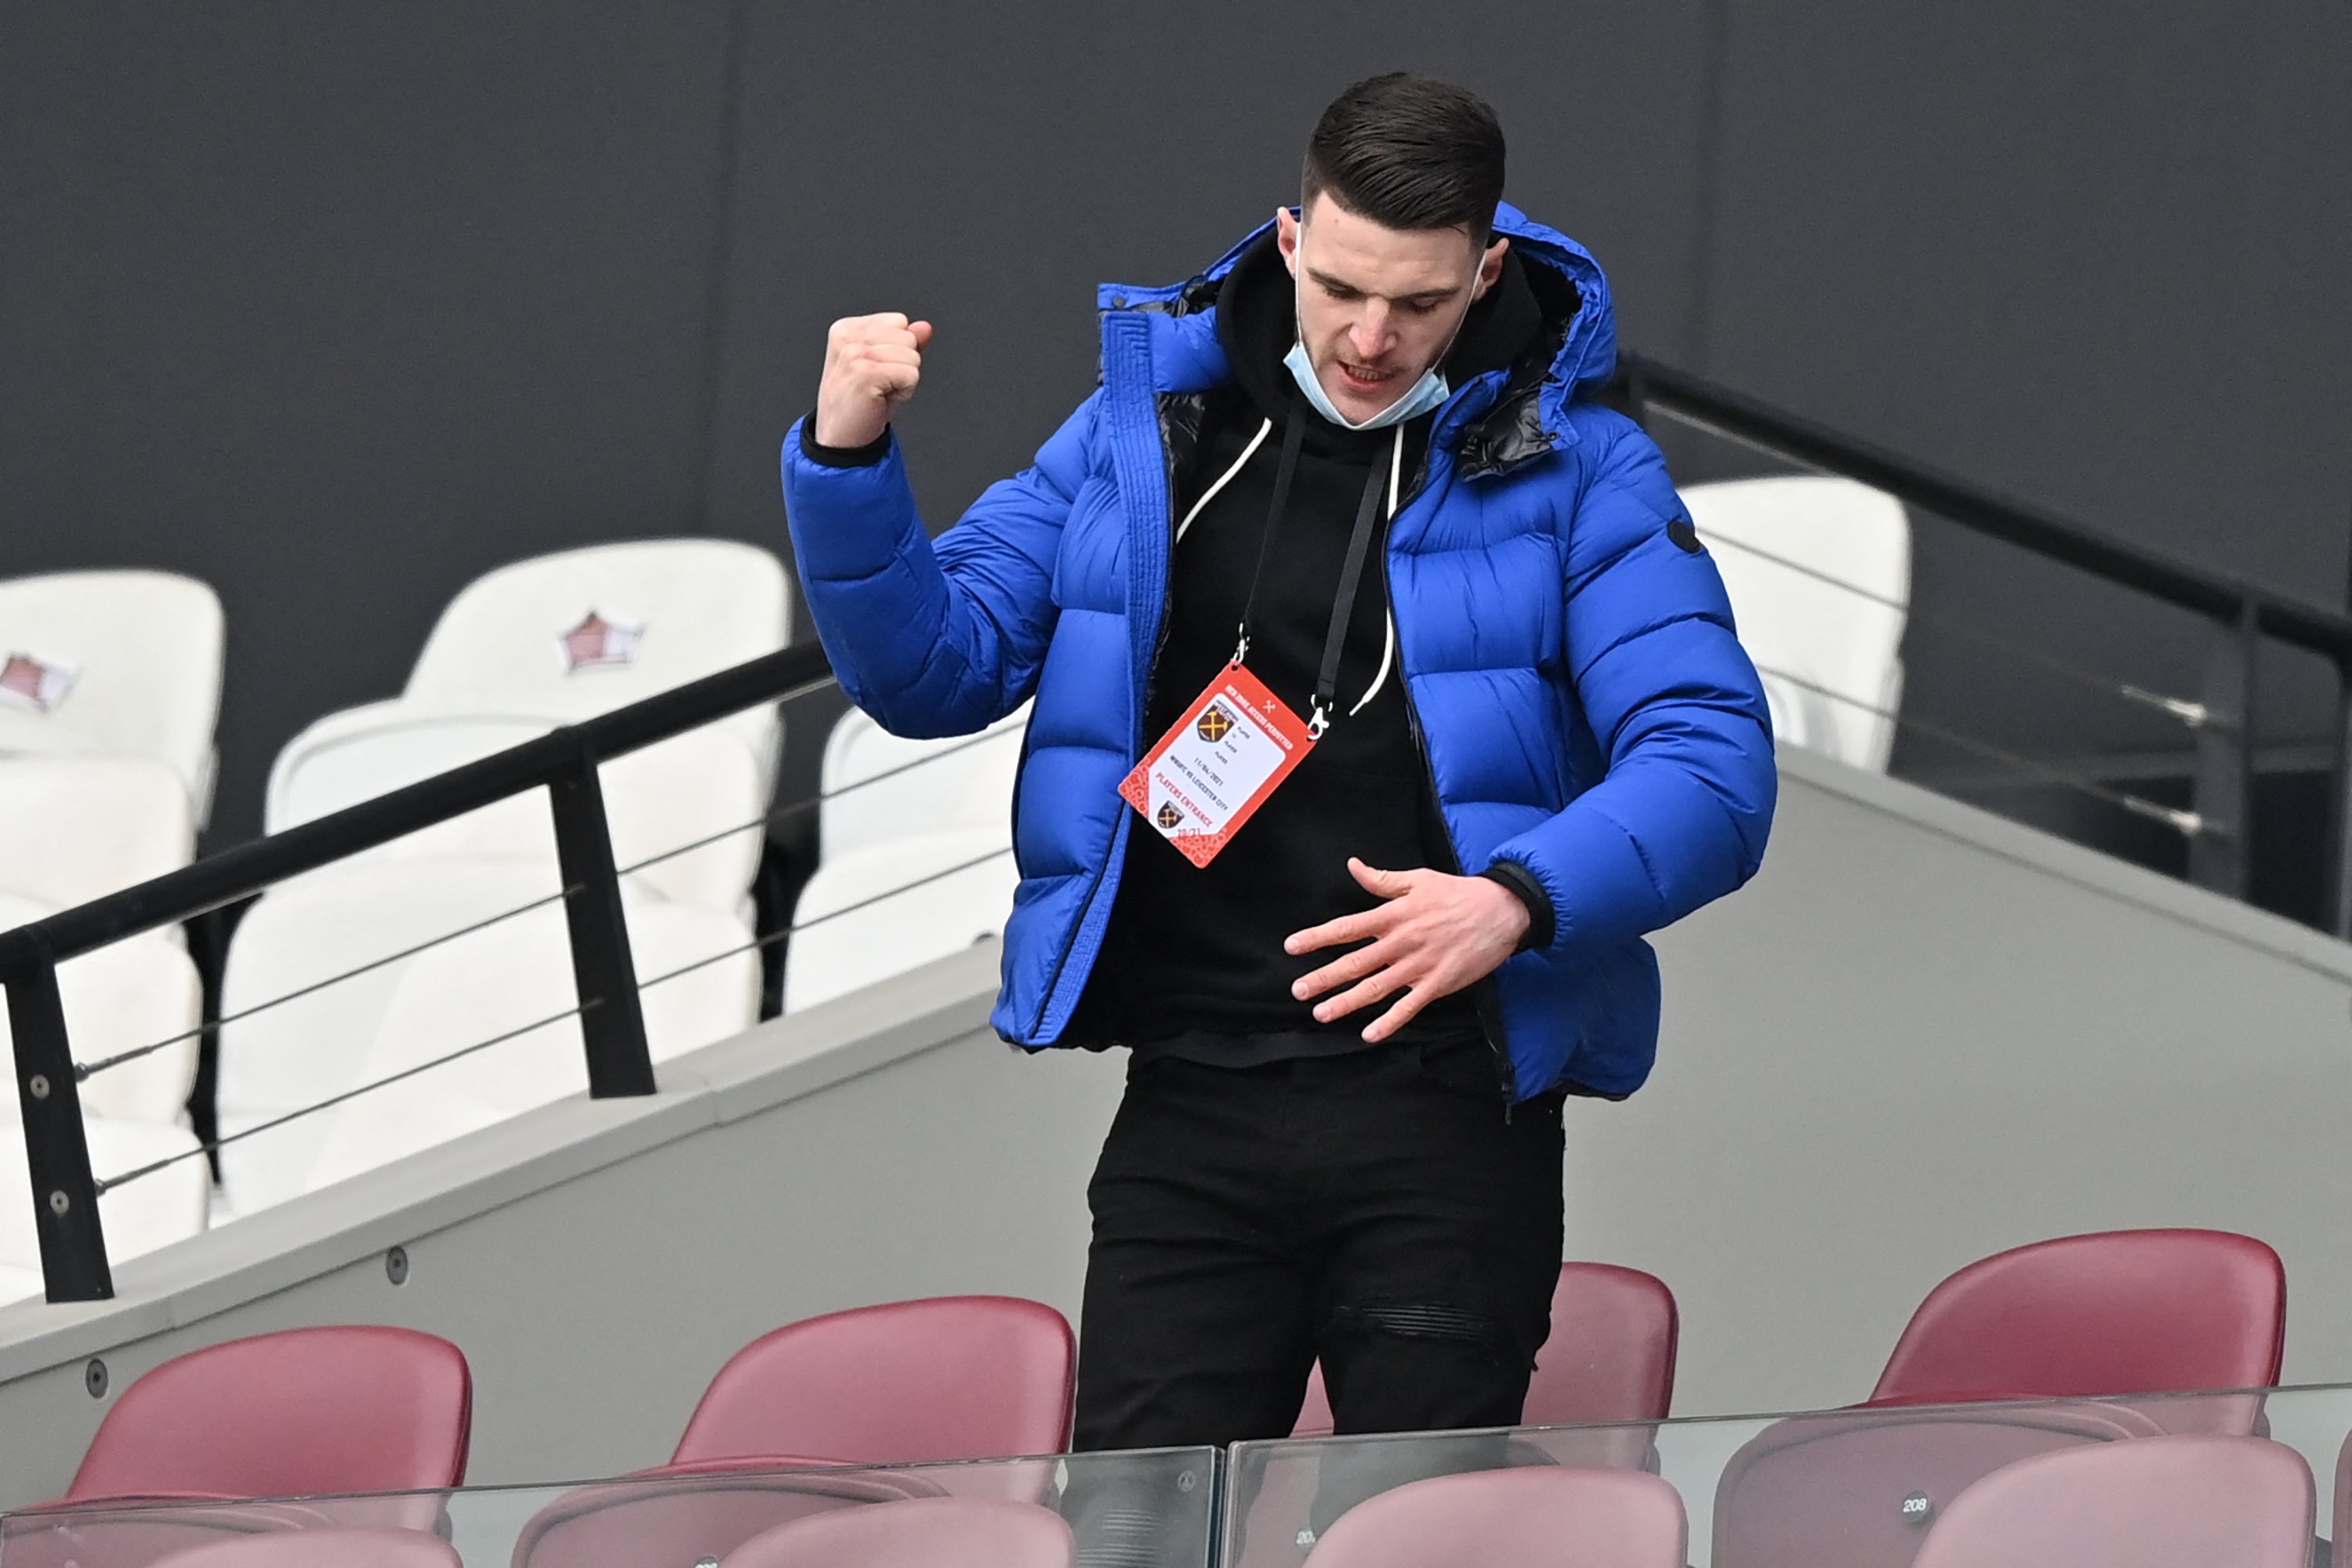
(871,366)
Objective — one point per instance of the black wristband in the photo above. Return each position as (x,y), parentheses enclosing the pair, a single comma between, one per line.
(1541,921)
(864,456)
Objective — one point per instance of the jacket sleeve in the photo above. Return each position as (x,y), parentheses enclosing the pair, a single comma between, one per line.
(1681,817)
(932,637)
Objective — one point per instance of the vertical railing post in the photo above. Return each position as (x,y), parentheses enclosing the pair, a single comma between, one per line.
(612,1022)
(56,1154)
(2221,855)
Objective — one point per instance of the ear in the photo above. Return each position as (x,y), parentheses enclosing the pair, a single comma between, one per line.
(1286,238)
(1490,267)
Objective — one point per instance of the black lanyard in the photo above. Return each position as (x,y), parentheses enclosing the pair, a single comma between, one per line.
(1351,567)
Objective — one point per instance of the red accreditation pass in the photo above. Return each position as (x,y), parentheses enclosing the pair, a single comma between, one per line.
(1233,746)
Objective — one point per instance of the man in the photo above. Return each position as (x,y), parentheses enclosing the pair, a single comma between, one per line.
(1343,498)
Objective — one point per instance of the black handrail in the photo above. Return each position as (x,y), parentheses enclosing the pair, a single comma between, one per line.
(563,762)
(249,868)
(2215,595)
(2238,613)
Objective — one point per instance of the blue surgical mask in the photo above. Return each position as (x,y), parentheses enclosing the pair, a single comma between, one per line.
(1428,393)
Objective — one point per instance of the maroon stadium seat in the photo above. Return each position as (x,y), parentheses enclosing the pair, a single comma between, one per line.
(1859,1489)
(323,1549)
(308,1413)
(956,1377)
(688,1514)
(135,1533)
(1540,1517)
(2120,1312)
(2126,1311)
(2340,1521)
(2166,1502)
(936,1533)
(1611,1356)
(298,1414)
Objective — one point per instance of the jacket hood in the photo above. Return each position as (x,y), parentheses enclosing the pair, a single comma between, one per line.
(1257,322)
(1581,327)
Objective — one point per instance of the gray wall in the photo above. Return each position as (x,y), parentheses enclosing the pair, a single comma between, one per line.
(1921,1036)
(598,1261)
(1924,1034)
(337,307)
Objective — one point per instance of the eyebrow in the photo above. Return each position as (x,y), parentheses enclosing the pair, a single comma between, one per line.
(1340,285)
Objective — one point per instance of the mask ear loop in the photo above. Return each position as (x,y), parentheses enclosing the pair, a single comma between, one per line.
(1388,646)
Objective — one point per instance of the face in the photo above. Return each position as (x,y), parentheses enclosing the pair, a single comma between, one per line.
(1379,306)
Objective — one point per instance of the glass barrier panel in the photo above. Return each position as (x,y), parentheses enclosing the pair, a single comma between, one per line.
(1860,1487)
(1150,1509)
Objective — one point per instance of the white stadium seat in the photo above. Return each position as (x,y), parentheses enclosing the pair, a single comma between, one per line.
(76,828)
(960,786)
(19,1283)
(694,787)
(558,638)
(318,1046)
(520,651)
(672,610)
(159,1208)
(509,978)
(915,841)
(883,909)
(139,991)
(1819,571)
(120,663)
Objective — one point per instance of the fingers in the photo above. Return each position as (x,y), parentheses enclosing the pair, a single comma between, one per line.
(885,326)
(1448,934)
(871,364)
(1356,927)
(888,337)
(1407,1008)
(1344,970)
(1387,982)
(1333,933)
(1383,884)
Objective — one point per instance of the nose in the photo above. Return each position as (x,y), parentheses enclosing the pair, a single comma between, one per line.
(1370,334)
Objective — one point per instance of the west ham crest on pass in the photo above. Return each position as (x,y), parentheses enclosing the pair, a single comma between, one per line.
(1216,724)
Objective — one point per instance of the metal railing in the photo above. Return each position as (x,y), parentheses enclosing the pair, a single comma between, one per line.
(565,762)
(2218,820)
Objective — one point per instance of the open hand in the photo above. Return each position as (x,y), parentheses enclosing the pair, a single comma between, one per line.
(871,366)
(1433,935)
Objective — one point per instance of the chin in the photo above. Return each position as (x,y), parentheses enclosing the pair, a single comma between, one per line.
(1357,405)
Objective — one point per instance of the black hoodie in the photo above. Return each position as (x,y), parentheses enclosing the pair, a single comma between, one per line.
(1193,964)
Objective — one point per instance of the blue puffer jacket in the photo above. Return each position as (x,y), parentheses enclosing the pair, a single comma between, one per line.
(1584,707)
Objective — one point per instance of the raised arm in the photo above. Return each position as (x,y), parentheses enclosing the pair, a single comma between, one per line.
(931,640)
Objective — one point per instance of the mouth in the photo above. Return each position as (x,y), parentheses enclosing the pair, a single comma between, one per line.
(1364,378)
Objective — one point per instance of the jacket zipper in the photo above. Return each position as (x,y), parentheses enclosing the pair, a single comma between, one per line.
(1490,1023)
(1142,718)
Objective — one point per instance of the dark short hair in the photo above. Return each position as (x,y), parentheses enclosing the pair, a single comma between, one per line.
(1409,153)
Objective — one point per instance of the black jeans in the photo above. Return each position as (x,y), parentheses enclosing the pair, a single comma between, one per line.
(1379,1209)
